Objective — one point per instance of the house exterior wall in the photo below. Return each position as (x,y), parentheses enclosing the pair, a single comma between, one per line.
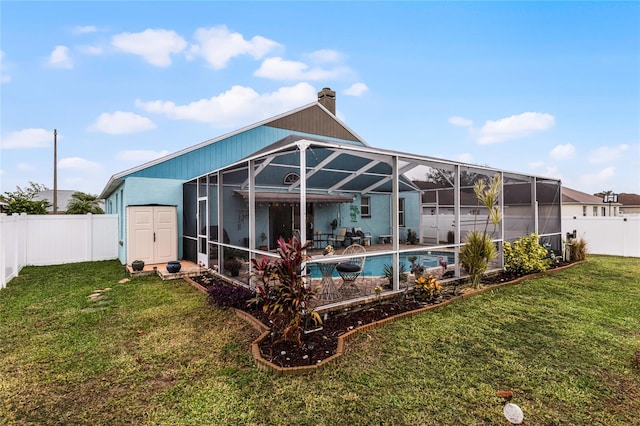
(144,191)
(578,210)
(161,183)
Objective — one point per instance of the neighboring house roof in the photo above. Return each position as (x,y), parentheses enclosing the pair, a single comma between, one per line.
(629,200)
(64,196)
(573,196)
(311,119)
(514,194)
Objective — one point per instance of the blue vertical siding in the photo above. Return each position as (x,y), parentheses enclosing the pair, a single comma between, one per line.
(219,154)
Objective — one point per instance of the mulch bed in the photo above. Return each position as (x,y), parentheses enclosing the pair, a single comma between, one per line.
(322,343)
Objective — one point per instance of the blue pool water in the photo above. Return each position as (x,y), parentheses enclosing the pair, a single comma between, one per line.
(374,265)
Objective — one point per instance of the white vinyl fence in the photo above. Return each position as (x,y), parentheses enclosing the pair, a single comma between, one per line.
(54,240)
(614,235)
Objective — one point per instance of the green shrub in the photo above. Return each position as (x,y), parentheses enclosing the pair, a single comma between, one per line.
(478,250)
(525,256)
(475,255)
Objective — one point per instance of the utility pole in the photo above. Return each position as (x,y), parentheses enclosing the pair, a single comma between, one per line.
(55,171)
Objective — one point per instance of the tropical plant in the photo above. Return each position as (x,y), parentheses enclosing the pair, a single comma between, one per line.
(22,200)
(284,292)
(387,272)
(427,287)
(82,203)
(478,248)
(525,255)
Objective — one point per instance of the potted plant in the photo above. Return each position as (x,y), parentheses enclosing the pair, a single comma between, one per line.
(233,265)
(263,238)
(137,265)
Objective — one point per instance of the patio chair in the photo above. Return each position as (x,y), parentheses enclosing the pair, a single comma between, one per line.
(339,238)
(351,269)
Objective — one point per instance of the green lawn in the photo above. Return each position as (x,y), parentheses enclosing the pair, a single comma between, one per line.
(153,352)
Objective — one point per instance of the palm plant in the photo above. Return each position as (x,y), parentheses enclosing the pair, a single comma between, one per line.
(478,249)
(82,203)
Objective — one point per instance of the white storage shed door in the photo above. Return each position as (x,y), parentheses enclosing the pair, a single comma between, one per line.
(152,234)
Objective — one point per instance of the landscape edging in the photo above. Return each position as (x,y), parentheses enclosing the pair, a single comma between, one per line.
(265,365)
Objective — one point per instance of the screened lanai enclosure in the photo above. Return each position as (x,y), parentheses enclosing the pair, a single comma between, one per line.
(399,209)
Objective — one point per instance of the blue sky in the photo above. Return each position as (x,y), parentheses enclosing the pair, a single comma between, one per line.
(548,88)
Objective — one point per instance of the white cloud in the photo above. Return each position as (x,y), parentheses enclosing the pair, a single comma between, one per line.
(60,58)
(543,170)
(140,155)
(25,167)
(356,89)
(563,152)
(77,163)
(460,122)
(598,178)
(84,29)
(465,157)
(120,123)
(324,56)
(155,46)
(238,105)
(90,50)
(514,127)
(605,154)
(28,138)
(4,78)
(217,46)
(281,69)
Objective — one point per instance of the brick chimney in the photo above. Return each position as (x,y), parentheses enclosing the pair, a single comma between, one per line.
(327,99)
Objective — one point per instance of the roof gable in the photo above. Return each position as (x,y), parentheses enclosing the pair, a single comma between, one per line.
(313,119)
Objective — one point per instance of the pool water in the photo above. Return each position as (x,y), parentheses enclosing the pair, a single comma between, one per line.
(374,265)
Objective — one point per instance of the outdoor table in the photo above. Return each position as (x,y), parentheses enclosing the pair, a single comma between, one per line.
(328,292)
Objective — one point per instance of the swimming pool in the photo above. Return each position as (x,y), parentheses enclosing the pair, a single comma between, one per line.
(374,264)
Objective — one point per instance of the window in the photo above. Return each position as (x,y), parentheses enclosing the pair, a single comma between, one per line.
(291,178)
(365,207)
(604,211)
(401,212)
(584,210)
(595,211)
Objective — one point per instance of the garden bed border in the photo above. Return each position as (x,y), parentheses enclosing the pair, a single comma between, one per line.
(265,365)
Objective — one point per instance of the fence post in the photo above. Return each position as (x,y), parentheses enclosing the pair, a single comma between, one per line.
(89,237)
